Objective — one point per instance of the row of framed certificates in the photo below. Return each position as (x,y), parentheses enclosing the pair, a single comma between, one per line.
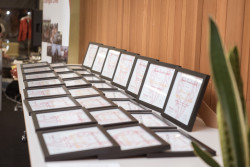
(82,111)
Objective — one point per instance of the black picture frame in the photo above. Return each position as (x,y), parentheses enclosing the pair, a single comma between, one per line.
(161,122)
(57,65)
(90,103)
(84,72)
(127,105)
(106,117)
(44,75)
(121,73)
(77,90)
(69,75)
(104,86)
(43,92)
(77,82)
(110,63)
(36,70)
(110,147)
(100,59)
(176,152)
(94,79)
(64,69)
(196,102)
(41,83)
(52,120)
(130,132)
(138,73)
(90,54)
(114,95)
(34,65)
(47,103)
(147,90)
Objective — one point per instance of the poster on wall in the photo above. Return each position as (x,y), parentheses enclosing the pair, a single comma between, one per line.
(55,35)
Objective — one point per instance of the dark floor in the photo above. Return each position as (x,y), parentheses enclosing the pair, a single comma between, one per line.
(13,152)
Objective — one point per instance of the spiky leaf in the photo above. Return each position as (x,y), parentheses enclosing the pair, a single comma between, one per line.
(229,98)
(204,155)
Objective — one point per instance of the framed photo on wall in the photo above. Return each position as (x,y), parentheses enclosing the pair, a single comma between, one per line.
(100,59)
(50,91)
(33,65)
(90,54)
(43,83)
(110,64)
(135,80)
(124,69)
(185,98)
(135,140)
(45,75)
(157,83)
(85,141)
(180,144)
(62,118)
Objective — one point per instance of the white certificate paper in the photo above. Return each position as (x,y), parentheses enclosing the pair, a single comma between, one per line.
(92,78)
(42,75)
(149,120)
(34,65)
(110,116)
(83,92)
(83,72)
(101,85)
(30,70)
(53,103)
(46,92)
(123,70)
(47,82)
(75,82)
(183,97)
(57,64)
(75,140)
(61,69)
(177,141)
(92,102)
(115,95)
(128,105)
(133,137)
(137,76)
(100,58)
(62,118)
(90,55)
(156,85)
(69,75)
(110,63)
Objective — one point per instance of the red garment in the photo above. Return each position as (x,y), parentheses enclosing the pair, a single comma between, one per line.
(25,27)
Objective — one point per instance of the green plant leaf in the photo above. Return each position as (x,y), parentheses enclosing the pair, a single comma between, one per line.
(228,95)
(205,156)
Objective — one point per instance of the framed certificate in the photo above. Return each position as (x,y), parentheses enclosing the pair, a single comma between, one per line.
(94,79)
(156,85)
(80,82)
(110,64)
(76,67)
(100,58)
(185,98)
(36,70)
(76,143)
(62,118)
(135,80)
(180,144)
(113,117)
(96,102)
(33,65)
(45,92)
(55,65)
(43,83)
(69,75)
(130,105)
(152,120)
(84,73)
(35,76)
(84,92)
(124,69)
(62,69)
(90,54)
(51,103)
(104,86)
(135,140)
(116,95)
